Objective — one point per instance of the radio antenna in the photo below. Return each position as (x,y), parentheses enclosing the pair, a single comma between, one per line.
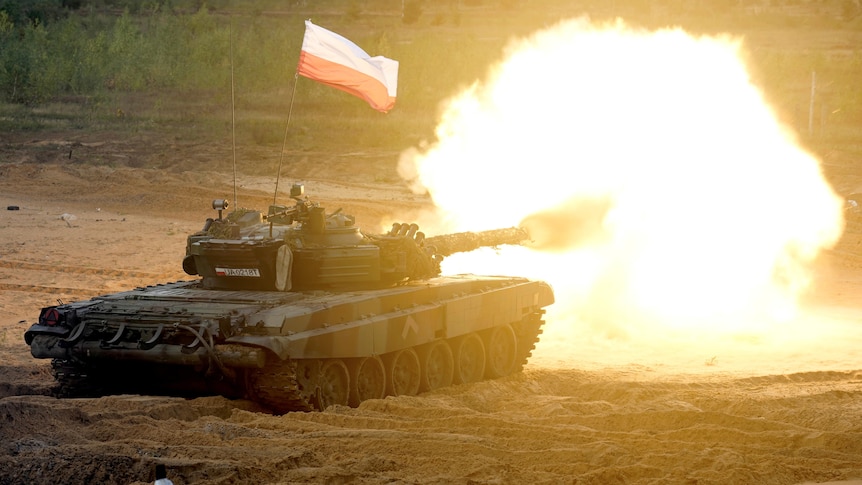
(284,142)
(233,114)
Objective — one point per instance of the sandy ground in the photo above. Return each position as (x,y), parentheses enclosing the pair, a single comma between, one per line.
(588,420)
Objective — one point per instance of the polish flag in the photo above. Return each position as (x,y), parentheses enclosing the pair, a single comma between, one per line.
(331,59)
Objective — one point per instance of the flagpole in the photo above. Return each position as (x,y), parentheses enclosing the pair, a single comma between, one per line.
(284,142)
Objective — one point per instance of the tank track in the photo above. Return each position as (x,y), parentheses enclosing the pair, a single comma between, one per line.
(276,387)
(527,331)
(74,380)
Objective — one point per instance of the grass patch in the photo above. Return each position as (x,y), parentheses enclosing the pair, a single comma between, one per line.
(150,67)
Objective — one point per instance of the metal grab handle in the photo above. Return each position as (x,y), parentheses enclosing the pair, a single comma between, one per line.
(117,336)
(74,337)
(152,341)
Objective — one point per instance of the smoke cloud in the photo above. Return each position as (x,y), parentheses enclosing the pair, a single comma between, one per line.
(663,194)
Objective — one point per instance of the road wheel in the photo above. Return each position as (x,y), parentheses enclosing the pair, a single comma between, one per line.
(469,359)
(334,384)
(438,366)
(502,349)
(368,380)
(403,373)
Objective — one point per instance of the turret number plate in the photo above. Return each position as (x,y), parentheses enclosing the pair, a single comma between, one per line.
(254,272)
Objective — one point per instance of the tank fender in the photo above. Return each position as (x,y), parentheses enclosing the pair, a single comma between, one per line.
(345,340)
(359,337)
(377,334)
(277,345)
(497,307)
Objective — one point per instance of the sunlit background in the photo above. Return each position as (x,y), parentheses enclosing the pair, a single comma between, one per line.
(674,215)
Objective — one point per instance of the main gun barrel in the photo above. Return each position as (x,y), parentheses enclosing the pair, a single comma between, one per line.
(448,244)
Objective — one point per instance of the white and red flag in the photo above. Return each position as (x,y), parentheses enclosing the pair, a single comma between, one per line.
(331,59)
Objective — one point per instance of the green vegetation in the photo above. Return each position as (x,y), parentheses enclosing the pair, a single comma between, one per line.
(95,55)
(159,65)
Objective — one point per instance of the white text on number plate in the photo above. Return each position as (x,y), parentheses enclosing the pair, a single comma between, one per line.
(238,272)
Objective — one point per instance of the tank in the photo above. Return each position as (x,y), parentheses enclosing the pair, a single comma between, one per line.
(299,310)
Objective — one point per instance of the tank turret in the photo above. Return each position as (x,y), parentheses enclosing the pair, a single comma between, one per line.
(302,247)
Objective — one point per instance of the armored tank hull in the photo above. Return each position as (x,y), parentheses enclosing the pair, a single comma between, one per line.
(298,311)
(294,351)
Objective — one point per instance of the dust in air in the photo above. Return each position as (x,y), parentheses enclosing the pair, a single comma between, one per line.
(674,215)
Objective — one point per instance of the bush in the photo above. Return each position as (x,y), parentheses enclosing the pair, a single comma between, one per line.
(26,12)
